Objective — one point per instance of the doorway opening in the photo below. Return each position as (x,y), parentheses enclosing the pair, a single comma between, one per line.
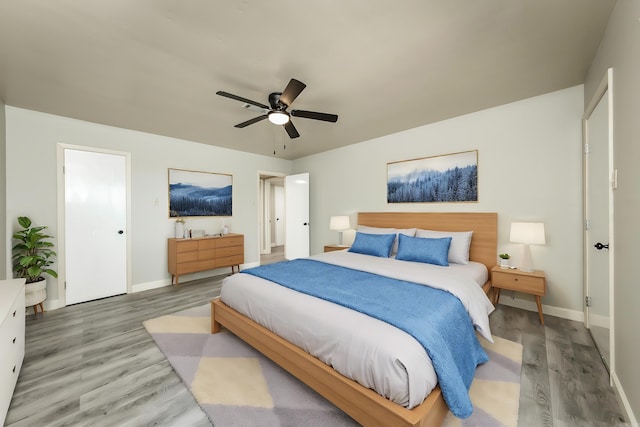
(272,217)
(283,215)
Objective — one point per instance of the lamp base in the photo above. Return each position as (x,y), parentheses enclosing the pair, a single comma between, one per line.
(527,263)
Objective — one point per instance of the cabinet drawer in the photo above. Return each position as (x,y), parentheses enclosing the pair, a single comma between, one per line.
(206,244)
(206,265)
(187,267)
(230,241)
(186,256)
(229,251)
(518,282)
(229,261)
(186,245)
(206,254)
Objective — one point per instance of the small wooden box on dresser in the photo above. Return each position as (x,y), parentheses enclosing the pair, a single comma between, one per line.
(12,328)
(533,283)
(205,253)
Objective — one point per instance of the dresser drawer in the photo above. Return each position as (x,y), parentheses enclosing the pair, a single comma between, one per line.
(187,267)
(12,329)
(229,251)
(209,264)
(206,244)
(186,256)
(519,282)
(229,261)
(186,246)
(230,241)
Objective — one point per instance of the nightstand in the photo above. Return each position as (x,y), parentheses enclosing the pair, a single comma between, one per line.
(331,248)
(515,280)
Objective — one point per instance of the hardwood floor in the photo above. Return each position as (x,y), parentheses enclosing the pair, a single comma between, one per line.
(277,254)
(93,364)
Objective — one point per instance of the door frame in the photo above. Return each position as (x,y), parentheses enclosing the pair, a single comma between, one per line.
(605,86)
(62,295)
(263,205)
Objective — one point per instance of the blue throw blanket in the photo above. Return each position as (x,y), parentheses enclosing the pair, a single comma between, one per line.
(435,318)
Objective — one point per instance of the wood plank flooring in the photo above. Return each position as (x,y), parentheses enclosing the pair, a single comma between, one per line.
(93,364)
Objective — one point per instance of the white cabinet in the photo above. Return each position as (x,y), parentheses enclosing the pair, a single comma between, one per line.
(11,339)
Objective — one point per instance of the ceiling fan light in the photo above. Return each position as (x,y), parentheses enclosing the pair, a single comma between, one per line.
(278,117)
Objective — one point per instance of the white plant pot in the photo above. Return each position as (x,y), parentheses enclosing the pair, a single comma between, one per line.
(35,293)
(505,263)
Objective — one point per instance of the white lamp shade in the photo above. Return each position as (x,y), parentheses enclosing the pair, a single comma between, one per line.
(527,232)
(339,223)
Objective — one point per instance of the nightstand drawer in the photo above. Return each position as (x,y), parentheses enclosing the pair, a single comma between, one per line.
(518,282)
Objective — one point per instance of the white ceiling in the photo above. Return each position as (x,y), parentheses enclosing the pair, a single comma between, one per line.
(382,66)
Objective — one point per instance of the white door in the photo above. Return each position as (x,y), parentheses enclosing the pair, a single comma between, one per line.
(296,189)
(95,219)
(599,226)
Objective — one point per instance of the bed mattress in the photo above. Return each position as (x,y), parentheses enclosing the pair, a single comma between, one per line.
(373,353)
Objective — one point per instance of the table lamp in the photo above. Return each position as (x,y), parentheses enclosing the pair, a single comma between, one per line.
(527,233)
(339,224)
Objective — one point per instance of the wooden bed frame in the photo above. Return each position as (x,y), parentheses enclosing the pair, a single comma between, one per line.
(365,405)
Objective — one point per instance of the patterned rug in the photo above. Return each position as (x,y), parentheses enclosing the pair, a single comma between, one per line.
(237,386)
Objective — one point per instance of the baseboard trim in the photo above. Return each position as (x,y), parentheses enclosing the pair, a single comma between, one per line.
(188,277)
(564,313)
(150,285)
(625,402)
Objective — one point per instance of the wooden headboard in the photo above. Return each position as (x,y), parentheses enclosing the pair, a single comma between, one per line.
(484,243)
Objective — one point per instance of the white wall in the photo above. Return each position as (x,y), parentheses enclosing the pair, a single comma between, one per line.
(619,49)
(5,269)
(529,169)
(32,138)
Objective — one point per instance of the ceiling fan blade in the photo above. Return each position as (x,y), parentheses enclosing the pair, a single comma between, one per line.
(241,99)
(315,115)
(292,91)
(291,130)
(250,122)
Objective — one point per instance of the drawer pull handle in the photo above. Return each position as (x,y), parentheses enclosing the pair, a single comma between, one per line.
(14,340)
(14,369)
(14,313)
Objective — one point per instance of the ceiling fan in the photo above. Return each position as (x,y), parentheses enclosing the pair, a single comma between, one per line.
(277,112)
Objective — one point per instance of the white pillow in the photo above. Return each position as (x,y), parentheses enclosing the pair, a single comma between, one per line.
(411,232)
(460,243)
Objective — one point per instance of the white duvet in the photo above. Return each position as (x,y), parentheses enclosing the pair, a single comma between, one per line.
(373,353)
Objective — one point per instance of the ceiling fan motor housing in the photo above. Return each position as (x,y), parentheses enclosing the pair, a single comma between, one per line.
(274,101)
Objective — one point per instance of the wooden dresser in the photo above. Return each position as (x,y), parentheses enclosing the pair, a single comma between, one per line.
(205,253)
(11,339)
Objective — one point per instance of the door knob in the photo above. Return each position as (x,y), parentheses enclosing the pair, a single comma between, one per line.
(599,246)
(120,231)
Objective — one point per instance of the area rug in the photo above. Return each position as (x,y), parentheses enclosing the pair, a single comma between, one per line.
(236,386)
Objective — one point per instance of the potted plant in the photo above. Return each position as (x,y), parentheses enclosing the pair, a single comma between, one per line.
(32,256)
(504,260)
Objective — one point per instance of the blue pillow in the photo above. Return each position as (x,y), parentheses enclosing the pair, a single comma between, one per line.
(373,244)
(420,249)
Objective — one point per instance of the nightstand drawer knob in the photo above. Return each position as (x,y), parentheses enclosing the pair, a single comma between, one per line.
(14,340)
(516,279)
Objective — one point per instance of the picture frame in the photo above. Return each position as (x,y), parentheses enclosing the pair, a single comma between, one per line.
(448,178)
(199,194)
